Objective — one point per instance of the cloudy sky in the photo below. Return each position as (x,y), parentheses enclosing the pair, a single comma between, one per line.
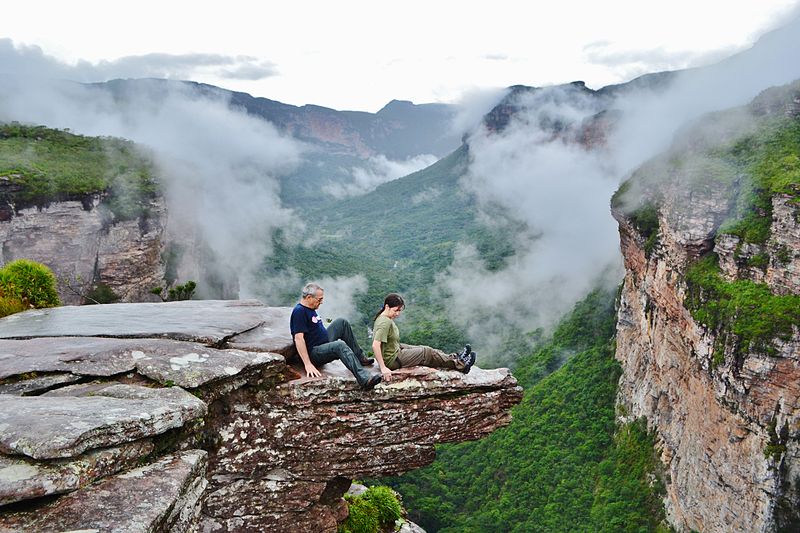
(359,54)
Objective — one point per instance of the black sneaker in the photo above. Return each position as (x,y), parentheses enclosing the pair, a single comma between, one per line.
(469,362)
(366,361)
(371,382)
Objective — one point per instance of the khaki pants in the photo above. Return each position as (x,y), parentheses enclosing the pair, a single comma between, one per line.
(411,355)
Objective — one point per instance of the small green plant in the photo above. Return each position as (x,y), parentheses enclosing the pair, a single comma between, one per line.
(783,255)
(178,292)
(376,508)
(362,517)
(30,282)
(645,220)
(102,294)
(760,261)
(385,501)
(777,442)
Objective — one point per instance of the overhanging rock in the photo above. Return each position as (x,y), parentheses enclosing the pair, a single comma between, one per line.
(86,392)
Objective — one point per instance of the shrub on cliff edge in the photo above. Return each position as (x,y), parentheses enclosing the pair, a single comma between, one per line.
(29,282)
(375,510)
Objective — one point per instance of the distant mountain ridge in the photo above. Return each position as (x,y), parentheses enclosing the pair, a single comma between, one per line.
(401,129)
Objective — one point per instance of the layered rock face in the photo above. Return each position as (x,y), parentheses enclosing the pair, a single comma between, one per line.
(185,416)
(728,427)
(84,248)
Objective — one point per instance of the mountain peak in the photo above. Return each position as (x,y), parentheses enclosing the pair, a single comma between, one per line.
(396,105)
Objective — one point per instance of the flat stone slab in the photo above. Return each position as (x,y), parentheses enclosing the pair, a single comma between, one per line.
(411,382)
(25,479)
(207,321)
(162,496)
(71,420)
(271,336)
(187,364)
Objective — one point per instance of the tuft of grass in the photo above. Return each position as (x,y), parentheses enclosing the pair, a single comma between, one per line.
(385,501)
(32,283)
(10,305)
(377,508)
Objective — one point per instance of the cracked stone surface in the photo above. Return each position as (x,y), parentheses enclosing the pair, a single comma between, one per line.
(38,384)
(25,479)
(163,496)
(187,364)
(69,421)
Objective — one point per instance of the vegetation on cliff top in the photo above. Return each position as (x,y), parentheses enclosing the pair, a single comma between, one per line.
(771,161)
(41,165)
(563,464)
(750,168)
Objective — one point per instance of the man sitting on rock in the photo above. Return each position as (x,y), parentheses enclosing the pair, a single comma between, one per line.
(317,345)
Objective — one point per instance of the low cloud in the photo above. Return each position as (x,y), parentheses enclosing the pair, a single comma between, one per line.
(376,171)
(219,165)
(630,63)
(25,60)
(650,119)
(472,106)
(426,195)
(556,194)
(340,294)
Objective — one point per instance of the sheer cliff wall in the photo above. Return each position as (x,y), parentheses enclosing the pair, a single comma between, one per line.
(723,400)
(84,247)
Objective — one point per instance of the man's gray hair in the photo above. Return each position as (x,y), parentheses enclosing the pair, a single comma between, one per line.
(311,290)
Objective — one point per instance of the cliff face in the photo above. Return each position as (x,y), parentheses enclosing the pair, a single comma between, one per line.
(726,412)
(84,248)
(184,416)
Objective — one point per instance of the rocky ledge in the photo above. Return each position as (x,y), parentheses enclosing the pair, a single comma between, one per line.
(186,416)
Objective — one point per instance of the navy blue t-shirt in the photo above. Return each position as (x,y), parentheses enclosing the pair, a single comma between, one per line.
(308,322)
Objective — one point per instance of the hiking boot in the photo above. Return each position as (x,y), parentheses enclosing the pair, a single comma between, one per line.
(366,361)
(371,382)
(468,363)
(463,355)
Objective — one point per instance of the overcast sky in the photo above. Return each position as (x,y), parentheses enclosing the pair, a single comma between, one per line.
(359,55)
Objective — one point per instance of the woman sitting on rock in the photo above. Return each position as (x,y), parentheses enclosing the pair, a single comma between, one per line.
(392,355)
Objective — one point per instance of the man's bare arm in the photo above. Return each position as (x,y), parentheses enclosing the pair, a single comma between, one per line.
(302,350)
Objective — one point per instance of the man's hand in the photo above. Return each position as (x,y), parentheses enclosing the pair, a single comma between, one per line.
(312,372)
(302,351)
